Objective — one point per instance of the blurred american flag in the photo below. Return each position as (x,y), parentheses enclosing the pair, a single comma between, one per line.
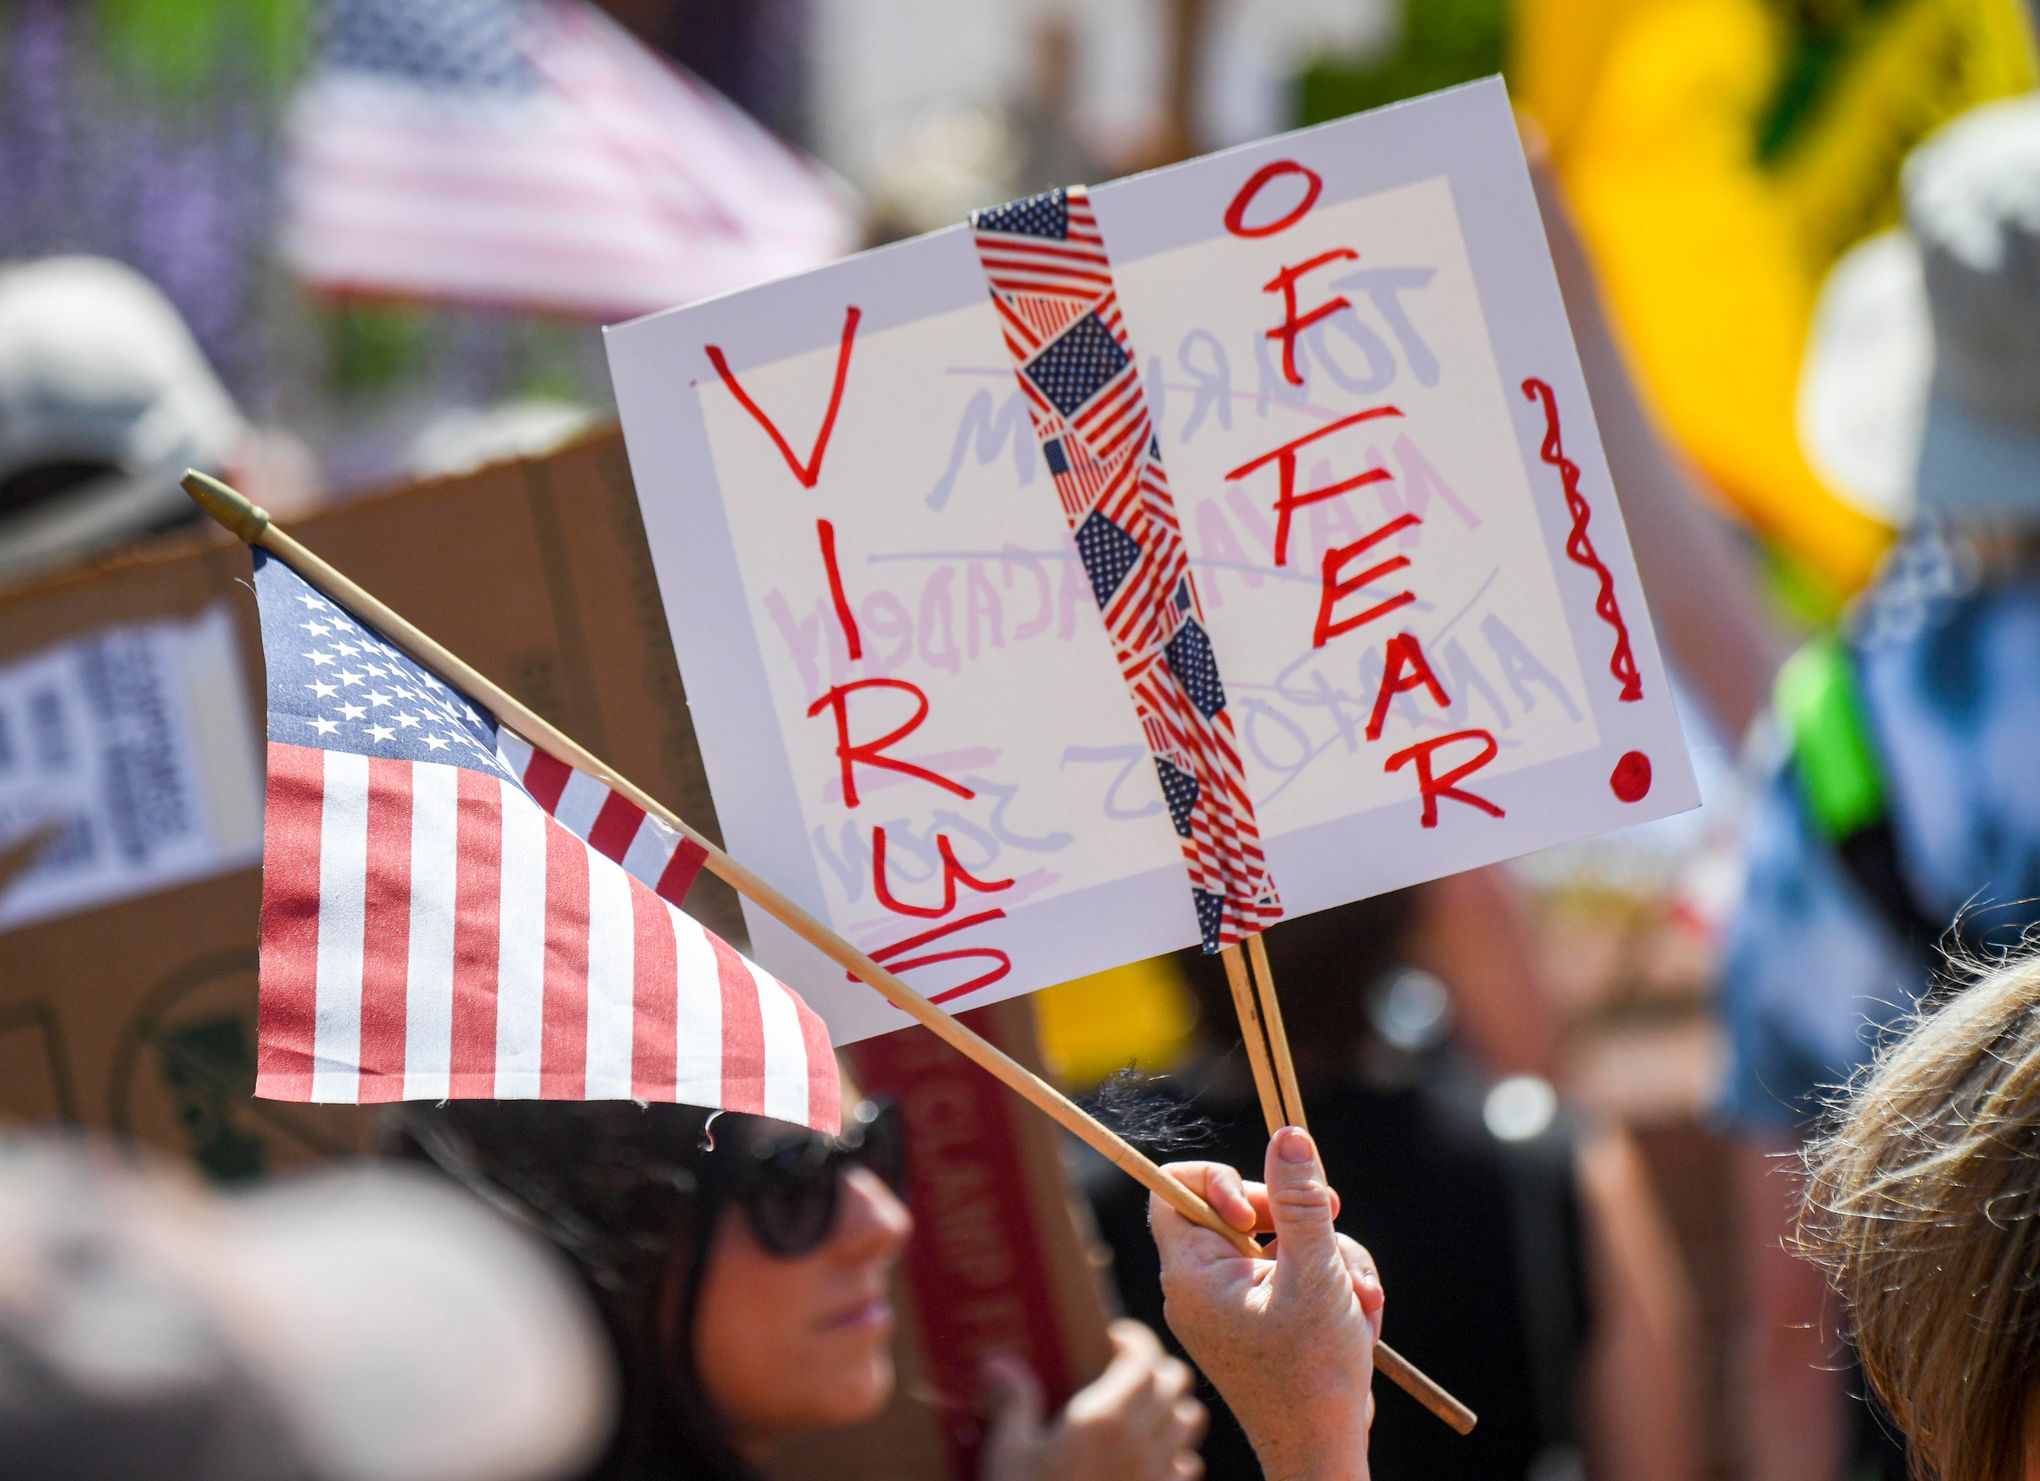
(533,154)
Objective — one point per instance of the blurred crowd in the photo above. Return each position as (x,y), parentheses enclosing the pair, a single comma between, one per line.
(1568,1105)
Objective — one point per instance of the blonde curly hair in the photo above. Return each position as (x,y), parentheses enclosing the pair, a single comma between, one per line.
(1923,1204)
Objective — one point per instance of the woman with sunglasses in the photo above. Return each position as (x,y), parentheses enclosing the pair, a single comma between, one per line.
(743,1266)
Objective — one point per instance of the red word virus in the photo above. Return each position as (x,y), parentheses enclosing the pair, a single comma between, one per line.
(1357,582)
(871,718)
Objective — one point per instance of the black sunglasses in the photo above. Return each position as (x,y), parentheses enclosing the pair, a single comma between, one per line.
(789,1189)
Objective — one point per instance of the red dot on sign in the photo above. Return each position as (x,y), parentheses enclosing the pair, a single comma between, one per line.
(1631,778)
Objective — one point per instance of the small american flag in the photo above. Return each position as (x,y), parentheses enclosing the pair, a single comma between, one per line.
(531,153)
(447,912)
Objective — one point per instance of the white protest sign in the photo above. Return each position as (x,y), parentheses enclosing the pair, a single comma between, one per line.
(1368,429)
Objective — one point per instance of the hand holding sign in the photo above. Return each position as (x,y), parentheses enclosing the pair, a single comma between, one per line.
(1290,1338)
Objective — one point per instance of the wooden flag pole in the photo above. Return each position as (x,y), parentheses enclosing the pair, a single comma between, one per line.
(252,524)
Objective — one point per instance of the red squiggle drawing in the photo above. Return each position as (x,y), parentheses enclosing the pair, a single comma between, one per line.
(1580,546)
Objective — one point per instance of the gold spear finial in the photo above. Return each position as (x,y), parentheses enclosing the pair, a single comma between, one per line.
(229,506)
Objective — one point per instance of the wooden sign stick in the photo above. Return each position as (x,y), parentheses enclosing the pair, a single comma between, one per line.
(252,524)
(1254,1035)
(1278,1036)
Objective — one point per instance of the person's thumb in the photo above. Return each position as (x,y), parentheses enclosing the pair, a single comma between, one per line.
(1014,1398)
(1300,1203)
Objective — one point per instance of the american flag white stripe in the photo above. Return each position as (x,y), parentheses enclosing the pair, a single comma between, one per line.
(343,887)
(611,947)
(581,803)
(520,963)
(698,1064)
(428,998)
(651,849)
(786,1081)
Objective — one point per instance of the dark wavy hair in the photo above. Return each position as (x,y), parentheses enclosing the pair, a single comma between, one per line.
(631,1195)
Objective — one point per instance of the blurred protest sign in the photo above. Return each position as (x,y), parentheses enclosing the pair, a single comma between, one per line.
(1720,154)
(1404,600)
(132,743)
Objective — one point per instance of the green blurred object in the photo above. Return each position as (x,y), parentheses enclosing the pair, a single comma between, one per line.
(1443,43)
(1819,36)
(373,347)
(1821,710)
(1802,595)
(185,48)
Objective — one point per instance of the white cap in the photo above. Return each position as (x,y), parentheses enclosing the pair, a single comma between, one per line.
(1921,389)
(96,366)
(366,1324)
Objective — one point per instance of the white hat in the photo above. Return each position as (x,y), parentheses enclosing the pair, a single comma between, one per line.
(1921,389)
(96,367)
(367,1324)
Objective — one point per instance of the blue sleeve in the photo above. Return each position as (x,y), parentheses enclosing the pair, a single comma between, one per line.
(1810,976)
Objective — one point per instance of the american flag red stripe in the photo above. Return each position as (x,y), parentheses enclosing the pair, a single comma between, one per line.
(1108,310)
(1111,469)
(655,1005)
(1037,404)
(290,925)
(386,924)
(563,1006)
(477,847)
(743,1028)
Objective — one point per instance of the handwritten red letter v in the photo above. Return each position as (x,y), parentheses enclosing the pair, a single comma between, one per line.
(812,471)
